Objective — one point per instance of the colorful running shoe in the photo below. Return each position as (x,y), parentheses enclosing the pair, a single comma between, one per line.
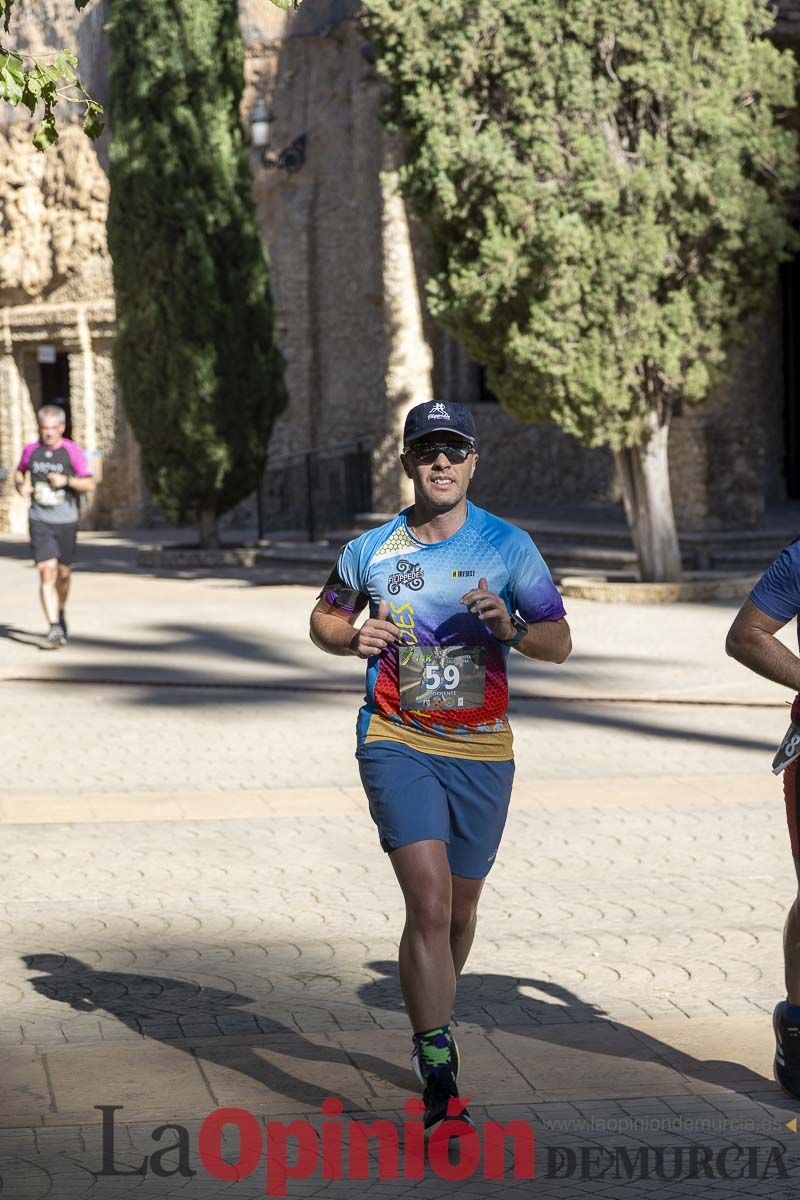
(786,1067)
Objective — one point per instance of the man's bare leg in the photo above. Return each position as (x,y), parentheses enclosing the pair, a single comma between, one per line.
(427,975)
(791,947)
(48,593)
(463,918)
(62,586)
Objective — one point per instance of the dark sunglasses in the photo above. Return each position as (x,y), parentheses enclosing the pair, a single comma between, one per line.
(428,452)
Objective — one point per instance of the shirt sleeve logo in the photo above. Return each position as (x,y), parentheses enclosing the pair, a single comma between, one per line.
(408,574)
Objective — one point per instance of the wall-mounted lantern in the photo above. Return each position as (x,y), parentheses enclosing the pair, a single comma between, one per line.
(261,120)
(291,158)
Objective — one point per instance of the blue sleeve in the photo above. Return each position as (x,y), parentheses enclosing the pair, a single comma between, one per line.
(533,593)
(348,566)
(777,592)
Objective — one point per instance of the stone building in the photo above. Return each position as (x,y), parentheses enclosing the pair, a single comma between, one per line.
(56,295)
(347,272)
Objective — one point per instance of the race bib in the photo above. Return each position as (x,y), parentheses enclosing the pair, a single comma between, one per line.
(45,495)
(788,749)
(442,677)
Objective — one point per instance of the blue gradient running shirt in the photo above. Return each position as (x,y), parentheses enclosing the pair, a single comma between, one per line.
(443,688)
(777,592)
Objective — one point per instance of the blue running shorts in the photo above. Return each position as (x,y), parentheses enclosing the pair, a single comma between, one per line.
(460,801)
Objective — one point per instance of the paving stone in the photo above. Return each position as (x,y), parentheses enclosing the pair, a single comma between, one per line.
(145,1079)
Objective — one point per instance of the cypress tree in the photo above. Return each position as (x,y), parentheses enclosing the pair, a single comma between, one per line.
(606,186)
(200,374)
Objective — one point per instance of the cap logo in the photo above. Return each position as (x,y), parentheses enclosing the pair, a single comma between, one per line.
(438,413)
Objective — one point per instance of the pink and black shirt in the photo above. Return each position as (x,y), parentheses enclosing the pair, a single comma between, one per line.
(54,506)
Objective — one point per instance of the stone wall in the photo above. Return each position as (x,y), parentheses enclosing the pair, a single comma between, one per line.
(53,222)
(726,455)
(121,499)
(524,467)
(347,302)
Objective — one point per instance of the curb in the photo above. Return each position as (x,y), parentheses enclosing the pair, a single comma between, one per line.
(720,587)
(179,557)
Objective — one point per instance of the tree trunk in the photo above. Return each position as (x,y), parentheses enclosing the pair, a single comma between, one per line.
(644,472)
(208,529)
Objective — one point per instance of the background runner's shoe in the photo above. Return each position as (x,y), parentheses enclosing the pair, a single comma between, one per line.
(416,1060)
(786,1067)
(55,638)
(439,1090)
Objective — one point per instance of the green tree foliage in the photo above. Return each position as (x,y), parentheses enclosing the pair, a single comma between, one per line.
(28,81)
(201,377)
(606,189)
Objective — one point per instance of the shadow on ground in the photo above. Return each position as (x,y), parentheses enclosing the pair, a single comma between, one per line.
(113,555)
(161,1008)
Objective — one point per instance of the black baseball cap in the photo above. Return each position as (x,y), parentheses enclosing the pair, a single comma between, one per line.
(436,416)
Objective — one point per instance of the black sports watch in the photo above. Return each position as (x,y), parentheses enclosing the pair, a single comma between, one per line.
(520,629)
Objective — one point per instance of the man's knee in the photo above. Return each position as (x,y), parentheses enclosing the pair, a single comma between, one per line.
(463,918)
(48,570)
(64,572)
(428,911)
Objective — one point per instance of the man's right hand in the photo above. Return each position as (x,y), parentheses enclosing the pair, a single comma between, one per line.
(25,489)
(375,635)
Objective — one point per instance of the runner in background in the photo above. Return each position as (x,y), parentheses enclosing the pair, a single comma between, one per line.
(53,473)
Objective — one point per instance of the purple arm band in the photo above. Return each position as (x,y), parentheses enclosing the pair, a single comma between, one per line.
(332,597)
(336,593)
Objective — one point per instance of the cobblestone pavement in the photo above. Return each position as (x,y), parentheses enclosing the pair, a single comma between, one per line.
(196,914)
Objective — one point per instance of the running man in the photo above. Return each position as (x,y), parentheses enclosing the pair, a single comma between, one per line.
(451,589)
(751,641)
(53,472)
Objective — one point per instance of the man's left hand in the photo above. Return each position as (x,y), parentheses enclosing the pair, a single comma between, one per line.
(57,480)
(490,609)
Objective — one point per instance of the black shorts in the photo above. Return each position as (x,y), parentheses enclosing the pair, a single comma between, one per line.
(53,541)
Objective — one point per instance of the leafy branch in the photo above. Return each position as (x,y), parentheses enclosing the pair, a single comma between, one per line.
(26,80)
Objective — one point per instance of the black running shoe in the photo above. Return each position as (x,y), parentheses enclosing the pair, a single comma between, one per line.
(440,1089)
(786,1067)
